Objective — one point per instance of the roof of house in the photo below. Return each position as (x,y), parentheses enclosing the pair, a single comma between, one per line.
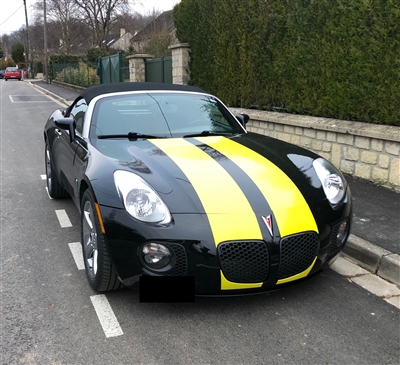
(115,37)
(163,23)
(111,39)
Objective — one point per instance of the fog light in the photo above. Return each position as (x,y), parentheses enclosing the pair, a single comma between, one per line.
(341,235)
(155,255)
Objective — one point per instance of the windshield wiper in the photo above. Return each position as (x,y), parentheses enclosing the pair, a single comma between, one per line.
(208,133)
(131,136)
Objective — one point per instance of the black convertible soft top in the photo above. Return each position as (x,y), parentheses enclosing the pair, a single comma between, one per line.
(96,90)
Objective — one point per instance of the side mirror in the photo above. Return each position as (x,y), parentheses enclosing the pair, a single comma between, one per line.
(243,119)
(67,124)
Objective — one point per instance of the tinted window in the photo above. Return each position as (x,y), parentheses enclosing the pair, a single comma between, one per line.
(162,114)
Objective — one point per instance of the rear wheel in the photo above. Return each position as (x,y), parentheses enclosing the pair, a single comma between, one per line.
(56,191)
(100,271)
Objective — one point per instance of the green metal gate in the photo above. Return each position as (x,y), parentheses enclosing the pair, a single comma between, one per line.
(110,68)
(159,70)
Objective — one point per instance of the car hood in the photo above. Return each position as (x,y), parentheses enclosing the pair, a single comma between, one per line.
(229,178)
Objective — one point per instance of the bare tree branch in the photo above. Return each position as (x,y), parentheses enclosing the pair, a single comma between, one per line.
(100,15)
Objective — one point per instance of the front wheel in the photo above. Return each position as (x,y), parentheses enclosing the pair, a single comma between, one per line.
(56,191)
(100,271)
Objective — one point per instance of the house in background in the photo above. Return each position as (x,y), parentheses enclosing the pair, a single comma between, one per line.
(121,43)
(161,27)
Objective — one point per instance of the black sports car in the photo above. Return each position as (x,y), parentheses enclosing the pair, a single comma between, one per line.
(170,184)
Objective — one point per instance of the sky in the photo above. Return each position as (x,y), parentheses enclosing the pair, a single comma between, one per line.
(12,12)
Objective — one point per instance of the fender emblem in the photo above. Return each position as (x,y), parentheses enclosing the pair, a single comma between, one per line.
(268,223)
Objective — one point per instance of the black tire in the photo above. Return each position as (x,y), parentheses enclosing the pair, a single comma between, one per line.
(56,191)
(100,271)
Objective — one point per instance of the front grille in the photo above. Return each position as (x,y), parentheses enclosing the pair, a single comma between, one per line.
(297,253)
(180,267)
(244,261)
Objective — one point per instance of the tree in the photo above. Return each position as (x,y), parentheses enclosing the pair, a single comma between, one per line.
(2,53)
(100,16)
(8,40)
(93,54)
(17,53)
(65,13)
(132,22)
(158,45)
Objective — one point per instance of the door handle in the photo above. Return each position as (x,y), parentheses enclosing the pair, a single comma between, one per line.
(58,132)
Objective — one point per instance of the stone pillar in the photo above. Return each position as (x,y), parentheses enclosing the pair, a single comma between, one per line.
(137,67)
(180,63)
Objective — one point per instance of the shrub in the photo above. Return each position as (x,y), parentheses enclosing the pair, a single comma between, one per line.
(335,58)
(78,74)
(61,58)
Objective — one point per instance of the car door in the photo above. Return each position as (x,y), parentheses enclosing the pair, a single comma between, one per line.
(64,149)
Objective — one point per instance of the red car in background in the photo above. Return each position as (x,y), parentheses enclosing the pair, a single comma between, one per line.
(12,73)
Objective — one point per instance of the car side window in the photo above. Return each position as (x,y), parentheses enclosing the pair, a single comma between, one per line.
(78,113)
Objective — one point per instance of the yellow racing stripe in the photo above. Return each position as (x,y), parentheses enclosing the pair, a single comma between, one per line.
(291,211)
(228,210)
(229,285)
(237,221)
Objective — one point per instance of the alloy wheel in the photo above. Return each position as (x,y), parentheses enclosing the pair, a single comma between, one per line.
(48,167)
(90,246)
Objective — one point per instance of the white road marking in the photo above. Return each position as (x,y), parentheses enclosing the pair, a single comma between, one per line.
(76,250)
(50,95)
(106,316)
(63,218)
(43,177)
(28,101)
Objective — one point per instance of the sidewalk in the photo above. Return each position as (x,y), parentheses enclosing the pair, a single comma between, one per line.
(375,240)
(62,94)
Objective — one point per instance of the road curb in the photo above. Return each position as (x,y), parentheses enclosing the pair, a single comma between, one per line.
(373,258)
(47,92)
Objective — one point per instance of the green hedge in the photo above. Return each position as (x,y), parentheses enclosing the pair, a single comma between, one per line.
(61,58)
(79,74)
(334,58)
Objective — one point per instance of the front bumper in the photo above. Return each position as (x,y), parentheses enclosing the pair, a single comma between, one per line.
(232,268)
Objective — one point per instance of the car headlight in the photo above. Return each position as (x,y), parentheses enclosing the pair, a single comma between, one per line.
(140,200)
(332,180)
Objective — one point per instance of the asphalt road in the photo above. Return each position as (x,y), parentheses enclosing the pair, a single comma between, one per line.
(50,315)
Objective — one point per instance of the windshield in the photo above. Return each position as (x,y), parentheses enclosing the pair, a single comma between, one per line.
(162,115)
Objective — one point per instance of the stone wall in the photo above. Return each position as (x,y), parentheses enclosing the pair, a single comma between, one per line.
(180,63)
(368,151)
(137,67)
